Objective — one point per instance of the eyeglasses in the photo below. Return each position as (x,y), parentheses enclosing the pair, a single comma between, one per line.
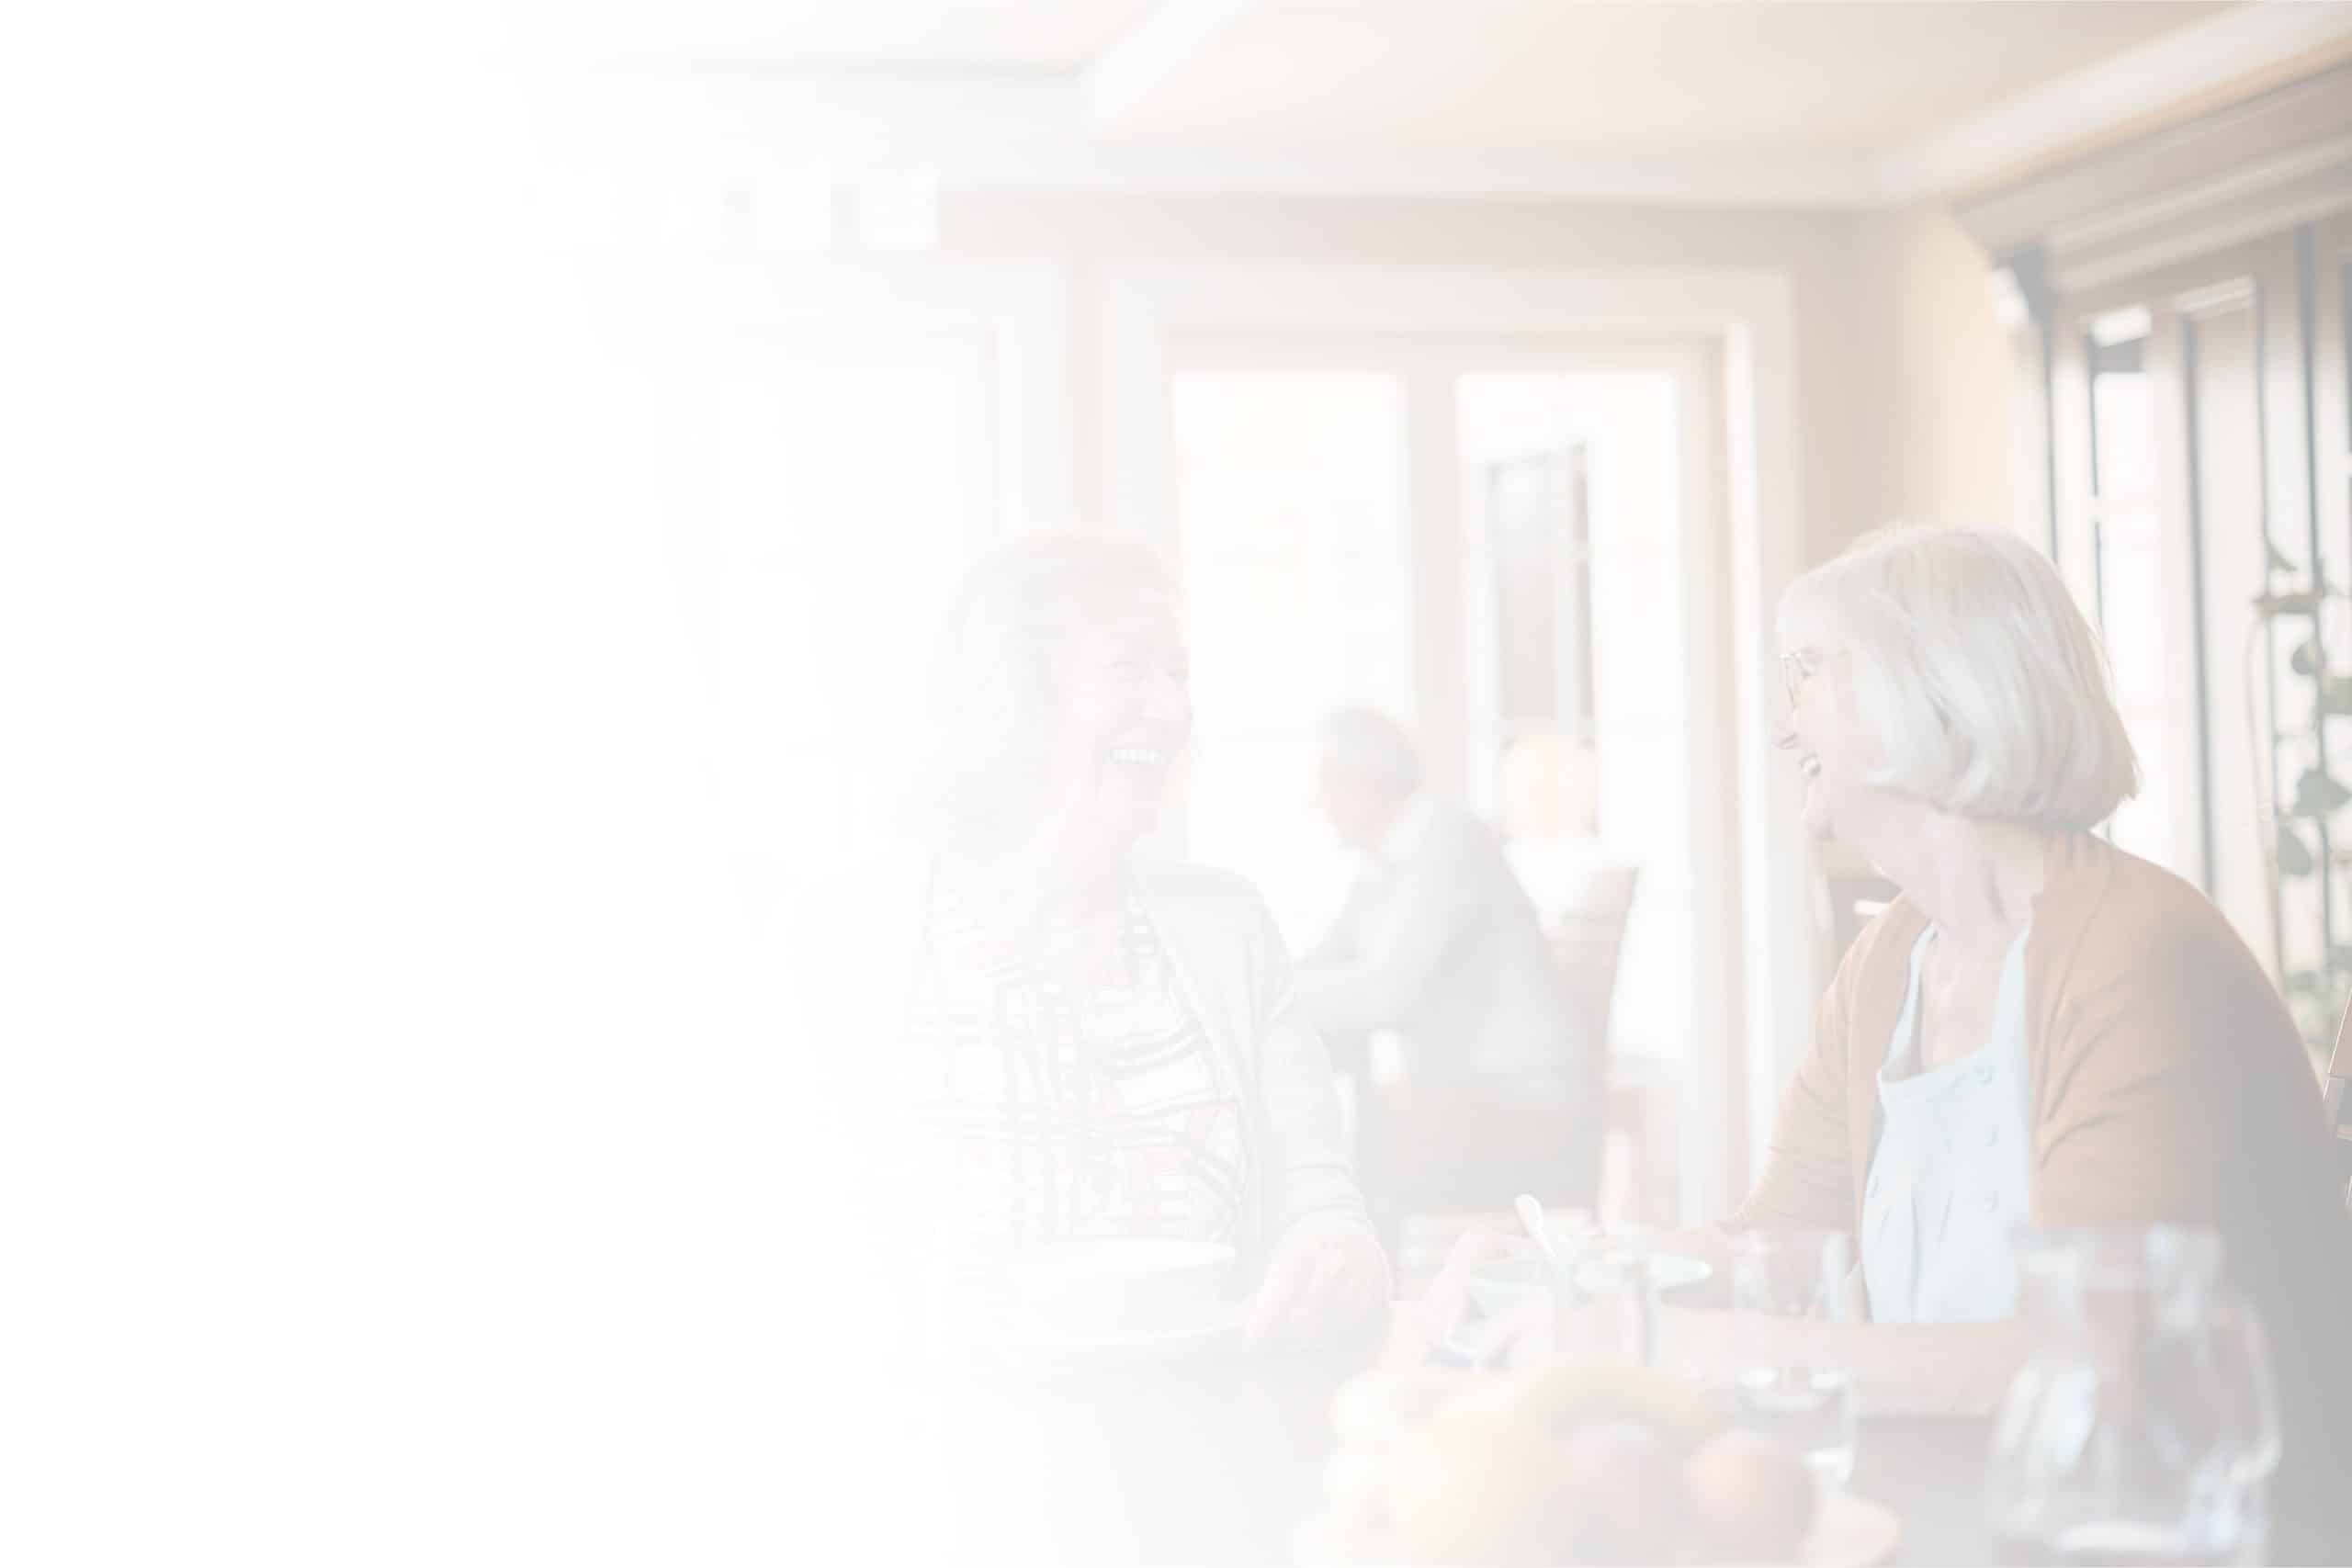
(1796,669)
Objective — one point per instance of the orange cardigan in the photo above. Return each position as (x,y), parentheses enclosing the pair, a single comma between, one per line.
(2167,1084)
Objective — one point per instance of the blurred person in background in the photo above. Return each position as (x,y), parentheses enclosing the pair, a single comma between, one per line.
(1038,1037)
(2042,1031)
(1437,981)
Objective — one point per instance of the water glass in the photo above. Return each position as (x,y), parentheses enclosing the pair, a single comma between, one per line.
(2144,1425)
(1610,1311)
(1801,1398)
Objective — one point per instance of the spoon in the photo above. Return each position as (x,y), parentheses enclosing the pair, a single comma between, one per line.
(1531,1214)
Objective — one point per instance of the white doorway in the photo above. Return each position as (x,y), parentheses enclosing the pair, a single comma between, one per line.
(1443,449)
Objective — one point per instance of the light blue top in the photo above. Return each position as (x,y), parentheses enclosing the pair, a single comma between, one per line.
(1948,1181)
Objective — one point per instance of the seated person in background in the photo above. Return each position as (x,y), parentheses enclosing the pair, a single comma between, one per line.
(1499,1092)
(1037,1037)
(2042,1030)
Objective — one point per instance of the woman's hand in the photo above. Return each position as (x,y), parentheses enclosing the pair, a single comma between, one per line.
(1530,1327)
(1446,1306)
(1327,1279)
(1524,1331)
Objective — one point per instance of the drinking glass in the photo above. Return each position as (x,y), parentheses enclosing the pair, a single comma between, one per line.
(1609,1311)
(1802,1398)
(2143,1426)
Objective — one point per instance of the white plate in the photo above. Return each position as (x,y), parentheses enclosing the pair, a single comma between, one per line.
(1122,1257)
(1122,1281)
(1673,1271)
(1218,1328)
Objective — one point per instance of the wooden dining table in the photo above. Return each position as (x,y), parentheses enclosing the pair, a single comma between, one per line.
(1219,1458)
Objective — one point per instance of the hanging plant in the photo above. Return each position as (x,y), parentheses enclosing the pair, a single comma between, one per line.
(2294,855)
(2314,985)
(2316,795)
(2301,602)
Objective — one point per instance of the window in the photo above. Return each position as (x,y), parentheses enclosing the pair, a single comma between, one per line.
(2132,592)
(1292,513)
(1572,514)
(1315,540)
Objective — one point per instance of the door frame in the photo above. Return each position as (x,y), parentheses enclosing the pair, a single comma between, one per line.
(1755,975)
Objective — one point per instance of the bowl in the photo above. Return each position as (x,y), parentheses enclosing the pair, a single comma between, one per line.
(1499,1283)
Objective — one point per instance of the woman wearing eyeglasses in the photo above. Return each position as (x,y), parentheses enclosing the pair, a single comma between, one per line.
(2042,1030)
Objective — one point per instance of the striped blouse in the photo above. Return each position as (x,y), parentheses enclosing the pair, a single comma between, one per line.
(1055,1115)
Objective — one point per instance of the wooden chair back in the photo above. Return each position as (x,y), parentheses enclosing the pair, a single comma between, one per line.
(2338,1100)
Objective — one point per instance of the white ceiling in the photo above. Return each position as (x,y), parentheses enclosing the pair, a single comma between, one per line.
(1632,74)
(1794,101)
(871,36)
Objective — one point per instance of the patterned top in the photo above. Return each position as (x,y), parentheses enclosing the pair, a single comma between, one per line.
(1056,1116)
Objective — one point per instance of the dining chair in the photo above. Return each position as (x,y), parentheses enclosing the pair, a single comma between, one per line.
(1641,1154)
(1450,1189)
(2339,1102)
(1456,1155)
(1856,898)
(1588,939)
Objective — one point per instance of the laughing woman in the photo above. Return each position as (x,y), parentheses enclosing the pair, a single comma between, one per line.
(1035,1035)
(2042,1030)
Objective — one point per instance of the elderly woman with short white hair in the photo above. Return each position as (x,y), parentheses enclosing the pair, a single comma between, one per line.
(2042,1030)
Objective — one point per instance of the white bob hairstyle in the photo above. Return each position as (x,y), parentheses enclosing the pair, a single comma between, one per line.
(1987,690)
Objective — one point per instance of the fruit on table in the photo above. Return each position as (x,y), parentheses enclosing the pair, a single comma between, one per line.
(1622,1485)
(1565,1463)
(1478,1487)
(1570,1394)
(1354,1483)
(1750,1496)
(1371,1405)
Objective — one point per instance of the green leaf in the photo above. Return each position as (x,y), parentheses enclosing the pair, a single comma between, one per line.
(2305,659)
(2302,602)
(2294,855)
(2316,795)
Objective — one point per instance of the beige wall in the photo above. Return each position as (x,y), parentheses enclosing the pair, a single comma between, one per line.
(1901,372)
(1942,364)
(1837,381)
